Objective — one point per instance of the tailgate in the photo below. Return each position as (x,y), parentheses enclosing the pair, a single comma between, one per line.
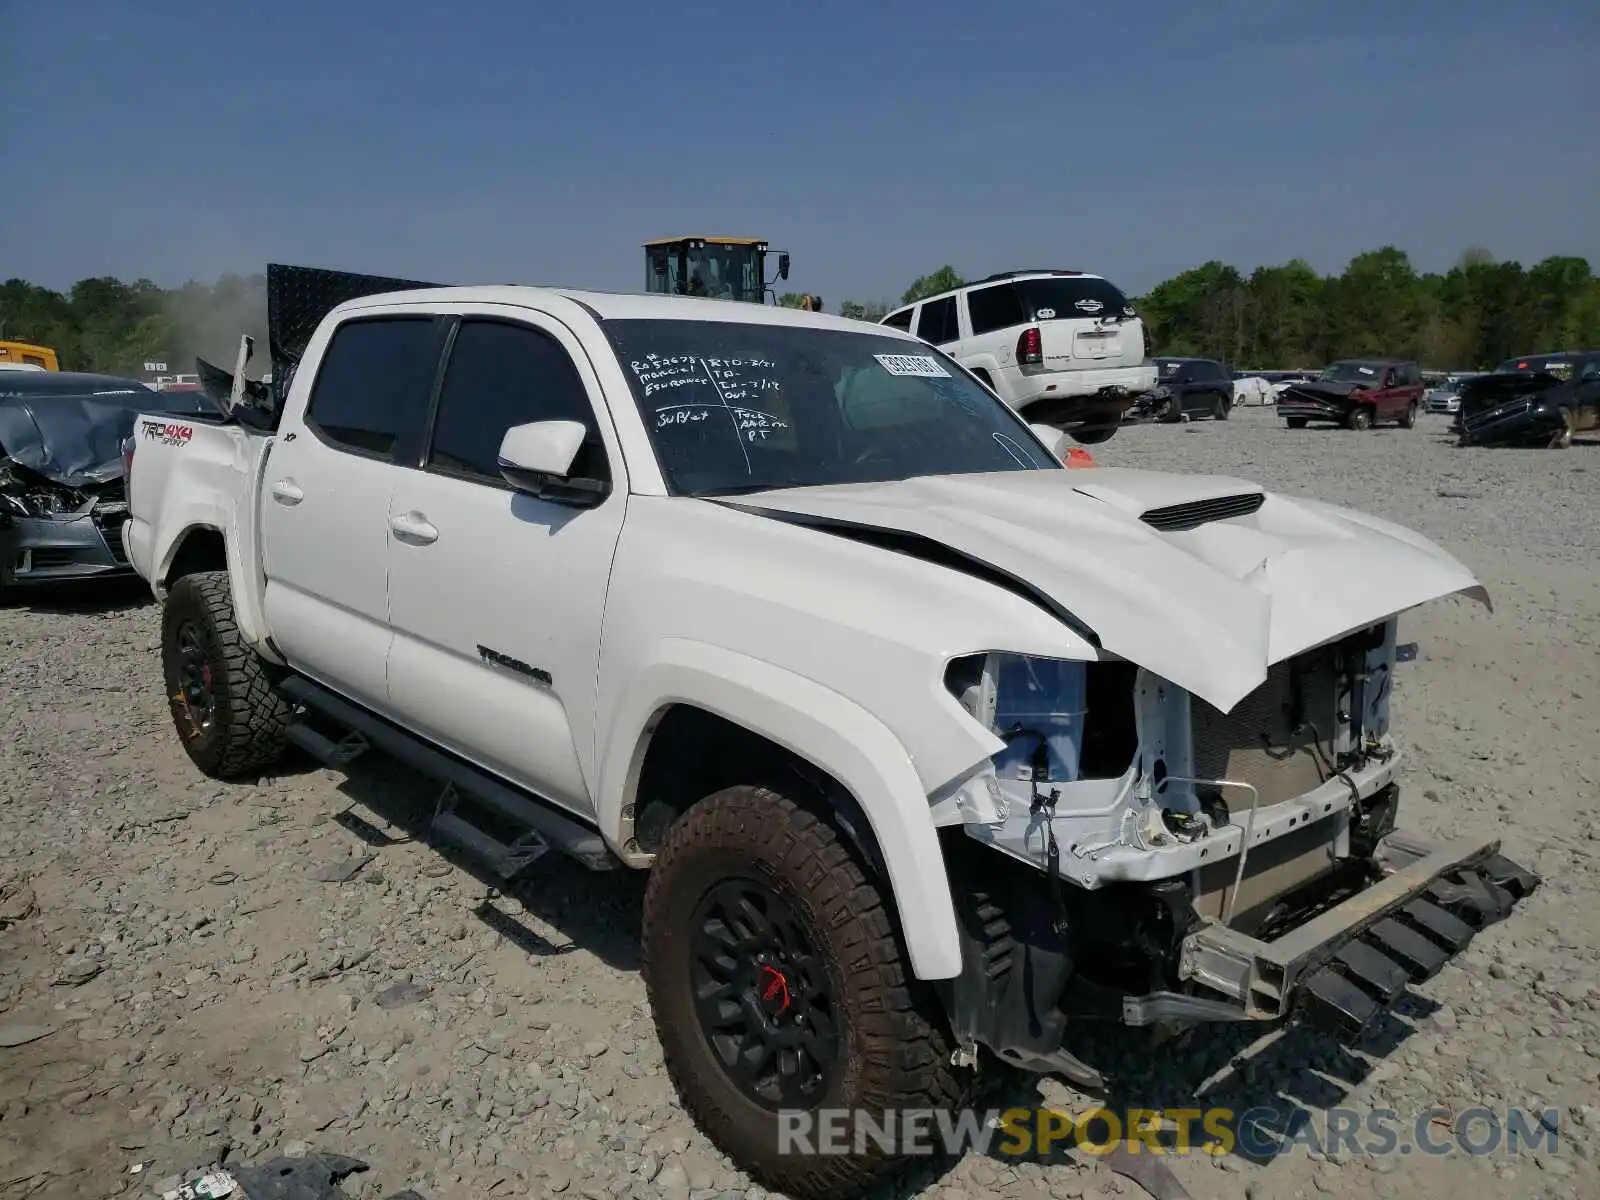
(1085,322)
(1071,344)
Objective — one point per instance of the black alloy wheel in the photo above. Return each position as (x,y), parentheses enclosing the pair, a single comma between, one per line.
(194,701)
(766,1004)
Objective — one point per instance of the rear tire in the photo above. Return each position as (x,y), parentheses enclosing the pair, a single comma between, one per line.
(1360,418)
(1295,422)
(855,1029)
(1094,436)
(228,714)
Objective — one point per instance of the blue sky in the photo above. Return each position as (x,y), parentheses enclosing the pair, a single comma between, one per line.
(541,143)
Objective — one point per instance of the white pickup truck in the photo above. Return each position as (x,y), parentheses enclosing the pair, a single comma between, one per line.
(930,745)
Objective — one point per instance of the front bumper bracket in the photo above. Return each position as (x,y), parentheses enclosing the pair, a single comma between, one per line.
(1346,966)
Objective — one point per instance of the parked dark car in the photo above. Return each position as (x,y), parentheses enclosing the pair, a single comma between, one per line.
(1187,387)
(63,495)
(1357,393)
(1533,400)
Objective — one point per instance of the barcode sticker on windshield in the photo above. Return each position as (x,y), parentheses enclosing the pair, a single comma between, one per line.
(912,364)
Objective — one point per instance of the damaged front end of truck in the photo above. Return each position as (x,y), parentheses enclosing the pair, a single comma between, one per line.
(1526,408)
(1331,401)
(1200,823)
(1199,865)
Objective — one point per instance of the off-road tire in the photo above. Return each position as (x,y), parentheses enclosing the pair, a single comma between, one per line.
(250,718)
(894,1046)
(1094,435)
(1360,418)
(1295,422)
(1409,420)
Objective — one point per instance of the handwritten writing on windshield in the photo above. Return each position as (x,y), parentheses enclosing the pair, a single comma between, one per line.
(739,385)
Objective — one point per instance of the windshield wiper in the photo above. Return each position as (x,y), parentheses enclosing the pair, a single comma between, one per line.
(744,489)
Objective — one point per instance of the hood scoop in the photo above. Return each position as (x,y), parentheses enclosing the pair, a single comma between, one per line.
(1173,518)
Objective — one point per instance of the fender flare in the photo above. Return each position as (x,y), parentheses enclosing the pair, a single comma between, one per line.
(244,580)
(822,727)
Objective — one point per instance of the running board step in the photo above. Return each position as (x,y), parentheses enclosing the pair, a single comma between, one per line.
(506,861)
(324,749)
(535,818)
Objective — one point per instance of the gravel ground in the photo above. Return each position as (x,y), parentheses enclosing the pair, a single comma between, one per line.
(274,965)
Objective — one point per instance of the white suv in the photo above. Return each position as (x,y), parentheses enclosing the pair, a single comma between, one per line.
(1063,348)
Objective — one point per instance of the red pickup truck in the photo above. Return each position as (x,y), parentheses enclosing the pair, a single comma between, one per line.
(1356,393)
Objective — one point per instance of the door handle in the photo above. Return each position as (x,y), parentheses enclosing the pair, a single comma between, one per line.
(413,527)
(286,491)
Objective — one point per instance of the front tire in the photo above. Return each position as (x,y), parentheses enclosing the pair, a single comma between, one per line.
(1409,420)
(1360,418)
(777,983)
(229,716)
(1220,410)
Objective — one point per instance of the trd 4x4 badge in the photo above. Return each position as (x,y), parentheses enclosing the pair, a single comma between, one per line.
(168,433)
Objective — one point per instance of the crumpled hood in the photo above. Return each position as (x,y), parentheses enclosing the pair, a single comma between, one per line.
(76,440)
(1490,391)
(1328,389)
(1210,607)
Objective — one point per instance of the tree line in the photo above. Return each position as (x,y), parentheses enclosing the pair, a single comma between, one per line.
(1473,316)
(1478,313)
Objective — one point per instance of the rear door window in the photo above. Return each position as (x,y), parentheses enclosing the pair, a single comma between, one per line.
(996,307)
(373,383)
(937,324)
(1071,297)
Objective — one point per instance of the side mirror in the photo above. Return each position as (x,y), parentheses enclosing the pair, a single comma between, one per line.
(783,265)
(537,459)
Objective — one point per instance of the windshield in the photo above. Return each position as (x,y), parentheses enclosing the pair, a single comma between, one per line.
(78,437)
(1561,368)
(725,272)
(736,407)
(1076,296)
(1350,372)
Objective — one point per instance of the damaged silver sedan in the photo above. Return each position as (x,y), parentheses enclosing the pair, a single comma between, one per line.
(63,494)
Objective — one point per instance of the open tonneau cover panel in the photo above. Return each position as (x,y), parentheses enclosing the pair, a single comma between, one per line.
(297,300)
(217,385)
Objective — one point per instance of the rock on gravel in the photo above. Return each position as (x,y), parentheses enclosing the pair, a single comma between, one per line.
(206,987)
